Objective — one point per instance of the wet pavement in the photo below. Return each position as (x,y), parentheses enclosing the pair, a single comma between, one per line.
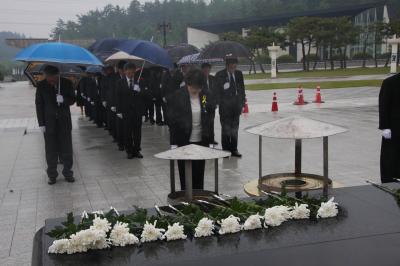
(104,177)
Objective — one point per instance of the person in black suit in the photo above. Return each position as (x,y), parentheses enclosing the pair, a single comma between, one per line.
(117,109)
(83,87)
(54,96)
(132,110)
(389,123)
(109,81)
(156,87)
(189,113)
(231,96)
(209,88)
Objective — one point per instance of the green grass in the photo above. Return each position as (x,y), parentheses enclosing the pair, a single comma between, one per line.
(313,85)
(324,73)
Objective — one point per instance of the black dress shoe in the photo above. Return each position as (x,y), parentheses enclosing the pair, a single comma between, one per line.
(70,179)
(236,154)
(138,155)
(152,122)
(215,143)
(52,181)
(130,156)
(121,148)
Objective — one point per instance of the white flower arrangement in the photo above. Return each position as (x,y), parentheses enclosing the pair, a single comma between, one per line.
(204,228)
(121,237)
(174,232)
(101,224)
(328,209)
(300,211)
(253,222)
(151,233)
(276,215)
(230,225)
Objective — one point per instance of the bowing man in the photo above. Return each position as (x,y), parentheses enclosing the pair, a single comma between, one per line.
(389,123)
(54,96)
(132,111)
(190,114)
(231,95)
(209,88)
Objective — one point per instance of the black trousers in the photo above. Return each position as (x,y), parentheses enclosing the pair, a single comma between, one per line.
(88,109)
(390,160)
(160,110)
(120,132)
(111,122)
(197,173)
(229,131)
(149,109)
(133,132)
(212,130)
(99,114)
(58,144)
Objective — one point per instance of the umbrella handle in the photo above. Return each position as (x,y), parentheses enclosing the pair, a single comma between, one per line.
(144,62)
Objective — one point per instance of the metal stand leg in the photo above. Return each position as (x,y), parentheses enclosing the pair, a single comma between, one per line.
(188,181)
(326,177)
(216,175)
(172,175)
(297,162)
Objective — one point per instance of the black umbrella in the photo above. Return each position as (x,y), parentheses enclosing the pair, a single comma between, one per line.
(176,52)
(225,49)
(105,47)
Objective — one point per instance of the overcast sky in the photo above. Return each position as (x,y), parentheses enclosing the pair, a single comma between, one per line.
(35,18)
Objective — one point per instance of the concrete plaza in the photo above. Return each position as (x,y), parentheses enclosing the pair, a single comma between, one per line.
(104,177)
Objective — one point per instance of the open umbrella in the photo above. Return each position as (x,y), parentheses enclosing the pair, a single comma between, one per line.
(120,55)
(180,50)
(193,59)
(34,70)
(224,49)
(105,47)
(148,51)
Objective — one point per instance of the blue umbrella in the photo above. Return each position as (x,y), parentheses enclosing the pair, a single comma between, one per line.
(57,52)
(148,51)
(105,47)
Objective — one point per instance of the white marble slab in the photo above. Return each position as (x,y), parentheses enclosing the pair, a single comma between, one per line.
(192,152)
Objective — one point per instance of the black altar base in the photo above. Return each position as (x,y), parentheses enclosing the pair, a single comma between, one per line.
(368,233)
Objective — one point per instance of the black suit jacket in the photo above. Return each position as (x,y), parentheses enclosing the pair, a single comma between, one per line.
(389,107)
(131,102)
(48,111)
(231,101)
(180,117)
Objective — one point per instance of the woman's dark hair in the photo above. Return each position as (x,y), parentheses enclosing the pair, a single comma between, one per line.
(129,66)
(51,70)
(195,78)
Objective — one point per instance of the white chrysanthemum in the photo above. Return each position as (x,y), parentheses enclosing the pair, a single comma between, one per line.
(229,225)
(204,228)
(151,233)
(327,209)
(101,224)
(60,246)
(300,212)
(253,222)
(276,215)
(99,212)
(174,232)
(120,235)
(84,240)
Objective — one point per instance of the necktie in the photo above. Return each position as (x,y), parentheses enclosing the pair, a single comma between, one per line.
(130,84)
(232,80)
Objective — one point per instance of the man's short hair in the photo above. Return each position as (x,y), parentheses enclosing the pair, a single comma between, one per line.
(205,65)
(195,78)
(51,70)
(231,60)
(129,66)
(121,64)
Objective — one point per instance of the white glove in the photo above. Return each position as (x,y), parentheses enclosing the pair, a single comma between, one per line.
(92,103)
(174,147)
(387,134)
(119,115)
(154,99)
(43,129)
(136,88)
(113,108)
(183,84)
(88,98)
(82,95)
(226,86)
(60,98)
(105,104)
(164,99)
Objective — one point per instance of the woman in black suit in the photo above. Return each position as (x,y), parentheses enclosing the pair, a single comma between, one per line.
(190,114)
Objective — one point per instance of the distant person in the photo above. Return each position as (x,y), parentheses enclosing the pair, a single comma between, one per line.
(131,94)
(156,85)
(231,96)
(209,88)
(389,123)
(189,113)
(54,96)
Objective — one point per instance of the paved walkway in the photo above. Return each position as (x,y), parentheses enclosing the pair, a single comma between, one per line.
(104,177)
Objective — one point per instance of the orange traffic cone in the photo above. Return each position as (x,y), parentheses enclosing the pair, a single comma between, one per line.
(246,106)
(318,98)
(300,97)
(274,103)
